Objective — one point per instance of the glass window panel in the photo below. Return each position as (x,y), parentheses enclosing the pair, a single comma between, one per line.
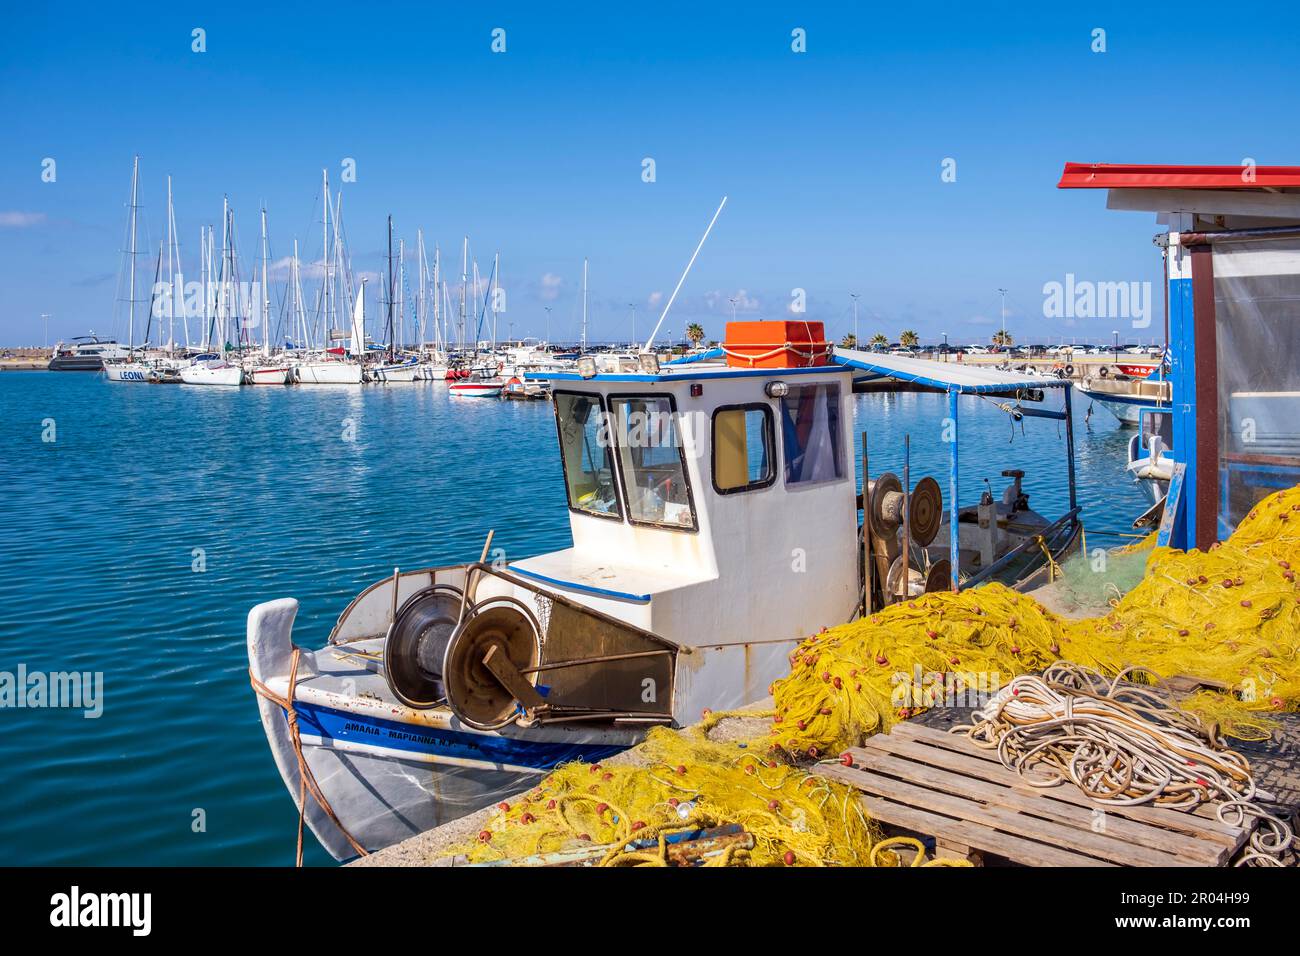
(584,448)
(742,449)
(810,432)
(650,455)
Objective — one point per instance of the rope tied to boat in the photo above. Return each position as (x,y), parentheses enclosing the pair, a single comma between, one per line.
(306,779)
(1124,744)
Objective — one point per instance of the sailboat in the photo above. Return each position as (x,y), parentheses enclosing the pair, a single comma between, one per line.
(333,365)
(211,368)
(130,369)
(264,369)
(396,368)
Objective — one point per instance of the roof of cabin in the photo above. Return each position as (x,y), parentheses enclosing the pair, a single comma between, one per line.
(1139,176)
(670,372)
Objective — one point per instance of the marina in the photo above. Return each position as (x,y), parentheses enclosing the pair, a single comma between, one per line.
(463,446)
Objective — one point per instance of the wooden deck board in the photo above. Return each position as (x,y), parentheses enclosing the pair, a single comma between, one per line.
(942,785)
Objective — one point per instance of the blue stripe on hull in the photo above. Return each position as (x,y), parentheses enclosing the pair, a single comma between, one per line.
(414,738)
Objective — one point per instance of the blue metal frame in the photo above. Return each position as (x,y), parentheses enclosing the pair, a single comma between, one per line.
(1182,372)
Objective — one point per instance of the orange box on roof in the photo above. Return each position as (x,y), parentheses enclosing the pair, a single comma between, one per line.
(776,344)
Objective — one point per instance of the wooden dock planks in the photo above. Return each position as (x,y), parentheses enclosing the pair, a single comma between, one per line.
(934,783)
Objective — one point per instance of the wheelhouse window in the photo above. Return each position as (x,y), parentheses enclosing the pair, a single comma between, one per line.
(652,462)
(743,448)
(584,450)
(810,432)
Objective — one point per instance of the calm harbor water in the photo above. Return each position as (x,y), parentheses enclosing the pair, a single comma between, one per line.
(306,492)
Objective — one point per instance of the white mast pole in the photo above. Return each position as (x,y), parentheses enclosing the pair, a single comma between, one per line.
(438,338)
(464,287)
(266,295)
(419,297)
(583,347)
(650,341)
(130,321)
(496,284)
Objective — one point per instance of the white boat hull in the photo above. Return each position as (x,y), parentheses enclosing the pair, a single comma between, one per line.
(408,372)
(330,373)
(215,373)
(477,389)
(269,375)
(126,372)
(390,772)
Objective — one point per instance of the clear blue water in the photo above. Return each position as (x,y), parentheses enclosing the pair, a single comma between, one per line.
(96,571)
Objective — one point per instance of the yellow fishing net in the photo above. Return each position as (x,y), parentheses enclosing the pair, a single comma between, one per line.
(685,781)
(1230,615)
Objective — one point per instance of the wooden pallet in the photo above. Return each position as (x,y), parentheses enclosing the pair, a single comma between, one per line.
(931,783)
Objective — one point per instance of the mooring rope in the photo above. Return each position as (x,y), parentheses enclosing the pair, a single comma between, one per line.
(306,780)
(1125,745)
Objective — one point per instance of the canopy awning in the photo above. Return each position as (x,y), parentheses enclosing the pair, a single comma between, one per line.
(944,376)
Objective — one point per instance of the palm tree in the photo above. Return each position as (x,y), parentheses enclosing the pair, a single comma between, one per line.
(908,338)
(878,341)
(695,332)
(850,341)
(1003,338)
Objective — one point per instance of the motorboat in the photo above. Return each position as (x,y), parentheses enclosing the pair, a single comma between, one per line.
(86,353)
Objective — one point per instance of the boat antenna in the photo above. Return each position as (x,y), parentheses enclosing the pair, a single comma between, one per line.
(650,341)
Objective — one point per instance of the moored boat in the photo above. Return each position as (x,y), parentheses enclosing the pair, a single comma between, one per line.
(427,702)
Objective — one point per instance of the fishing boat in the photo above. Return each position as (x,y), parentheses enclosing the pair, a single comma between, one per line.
(1150,453)
(1126,397)
(211,369)
(85,353)
(689,487)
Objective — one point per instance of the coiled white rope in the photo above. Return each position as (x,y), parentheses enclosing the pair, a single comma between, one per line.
(1126,745)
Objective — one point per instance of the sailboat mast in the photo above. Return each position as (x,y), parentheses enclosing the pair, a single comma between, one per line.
(130,321)
(419,299)
(496,265)
(325,247)
(584,306)
(266,295)
(171,277)
(464,288)
(440,340)
(391,334)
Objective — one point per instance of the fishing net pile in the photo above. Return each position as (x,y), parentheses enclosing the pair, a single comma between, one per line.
(685,780)
(1230,615)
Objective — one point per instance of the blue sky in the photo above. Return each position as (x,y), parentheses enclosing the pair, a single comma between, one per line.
(831,158)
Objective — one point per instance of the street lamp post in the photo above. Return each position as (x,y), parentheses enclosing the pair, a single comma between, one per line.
(854,297)
(548,324)
(945,346)
(1115,333)
(733,309)
(1003,293)
(632,306)
(45,336)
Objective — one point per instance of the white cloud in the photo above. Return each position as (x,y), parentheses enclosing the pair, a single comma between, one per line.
(655,298)
(550,287)
(21,220)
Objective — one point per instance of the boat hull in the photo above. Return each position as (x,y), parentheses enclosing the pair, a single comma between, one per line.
(389,772)
(126,372)
(268,375)
(476,389)
(213,374)
(330,373)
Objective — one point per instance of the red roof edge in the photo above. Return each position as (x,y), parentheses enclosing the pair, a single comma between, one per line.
(1135,176)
